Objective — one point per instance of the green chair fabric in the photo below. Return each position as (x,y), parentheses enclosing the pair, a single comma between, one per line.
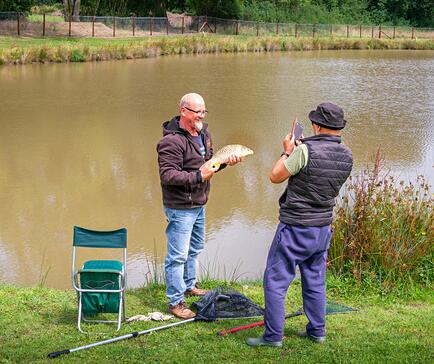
(100,239)
(103,264)
(99,302)
(100,274)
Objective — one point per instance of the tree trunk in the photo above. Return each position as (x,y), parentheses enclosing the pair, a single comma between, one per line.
(76,13)
(66,10)
(71,8)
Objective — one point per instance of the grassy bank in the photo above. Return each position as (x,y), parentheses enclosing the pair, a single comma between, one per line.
(37,321)
(22,51)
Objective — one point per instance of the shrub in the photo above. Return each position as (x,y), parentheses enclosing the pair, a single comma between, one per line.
(384,228)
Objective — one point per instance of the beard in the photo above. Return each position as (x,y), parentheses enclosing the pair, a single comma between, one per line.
(198,125)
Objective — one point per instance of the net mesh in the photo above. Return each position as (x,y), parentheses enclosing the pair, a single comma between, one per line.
(334,307)
(226,303)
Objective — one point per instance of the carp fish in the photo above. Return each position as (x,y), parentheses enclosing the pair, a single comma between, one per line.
(222,155)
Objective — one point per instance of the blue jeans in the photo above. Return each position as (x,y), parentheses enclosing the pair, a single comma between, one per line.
(185,235)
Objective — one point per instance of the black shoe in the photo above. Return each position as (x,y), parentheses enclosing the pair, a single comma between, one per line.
(316,339)
(253,341)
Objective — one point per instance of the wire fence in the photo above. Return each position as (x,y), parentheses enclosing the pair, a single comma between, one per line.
(19,24)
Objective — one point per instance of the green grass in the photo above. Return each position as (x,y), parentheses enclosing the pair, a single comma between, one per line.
(48,18)
(15,50)
(37,321)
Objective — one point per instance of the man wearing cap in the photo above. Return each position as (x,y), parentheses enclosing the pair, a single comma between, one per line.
(316,168)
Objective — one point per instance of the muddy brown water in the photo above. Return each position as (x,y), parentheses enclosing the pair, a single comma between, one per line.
(77,146)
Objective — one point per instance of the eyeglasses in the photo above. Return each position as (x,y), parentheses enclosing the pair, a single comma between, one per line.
(203,112)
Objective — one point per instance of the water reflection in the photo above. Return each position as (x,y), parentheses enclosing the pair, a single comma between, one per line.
(77,146)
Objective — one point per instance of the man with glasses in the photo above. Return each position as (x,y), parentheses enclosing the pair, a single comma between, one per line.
(185,176)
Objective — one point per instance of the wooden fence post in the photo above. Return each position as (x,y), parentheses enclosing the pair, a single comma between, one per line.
(43,25)
(69,25)
(167,26)
(393,32)
(379,31)
(18,23)
(93,26)
(313,30)
(257,29)
(412,32)
(372,32)
(150,25)
(360,30)
(348,31)
(237,28)
(134,25)
(182,31)
(296,30)
(331,30)
(277,28)
(114,27)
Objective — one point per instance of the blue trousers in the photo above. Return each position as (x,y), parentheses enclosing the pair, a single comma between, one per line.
(185,234)
(294,246)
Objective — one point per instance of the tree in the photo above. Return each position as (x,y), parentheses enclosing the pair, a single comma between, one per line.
(72,8)
(228,9)
(14,5)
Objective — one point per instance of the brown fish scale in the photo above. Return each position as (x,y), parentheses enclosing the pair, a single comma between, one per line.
(223,154)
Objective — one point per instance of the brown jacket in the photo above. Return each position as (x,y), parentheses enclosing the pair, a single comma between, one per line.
(179,160)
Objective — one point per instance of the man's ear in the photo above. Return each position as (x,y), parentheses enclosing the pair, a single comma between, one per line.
(182,111)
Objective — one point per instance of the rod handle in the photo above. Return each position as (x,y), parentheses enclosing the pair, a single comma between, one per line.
(255,324)
(57,353)
(239,328)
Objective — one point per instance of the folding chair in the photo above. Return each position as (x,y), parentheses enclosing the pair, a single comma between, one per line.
(100,284)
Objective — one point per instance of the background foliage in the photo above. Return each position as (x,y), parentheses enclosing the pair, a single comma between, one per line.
(389,12)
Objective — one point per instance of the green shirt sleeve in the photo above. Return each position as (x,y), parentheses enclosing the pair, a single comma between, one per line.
(297,160)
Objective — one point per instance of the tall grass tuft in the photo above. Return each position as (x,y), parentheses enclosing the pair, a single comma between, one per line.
(43,273)
(155,274)
(384,229)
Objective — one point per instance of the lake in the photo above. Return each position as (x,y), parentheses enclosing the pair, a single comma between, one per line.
(78,142)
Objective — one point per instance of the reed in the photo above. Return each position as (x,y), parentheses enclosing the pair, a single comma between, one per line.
(23,50)
(155,274)
(384,229)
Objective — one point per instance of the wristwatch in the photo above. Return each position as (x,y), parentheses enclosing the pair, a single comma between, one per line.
(285,153)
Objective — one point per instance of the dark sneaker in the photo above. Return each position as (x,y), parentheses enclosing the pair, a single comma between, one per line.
(253,341)
(316,339)
(196,291)
(181,311)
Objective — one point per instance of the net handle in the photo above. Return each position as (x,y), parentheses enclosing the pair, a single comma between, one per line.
(255,324)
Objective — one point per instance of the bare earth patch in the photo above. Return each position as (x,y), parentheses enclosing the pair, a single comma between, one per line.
(61,29)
